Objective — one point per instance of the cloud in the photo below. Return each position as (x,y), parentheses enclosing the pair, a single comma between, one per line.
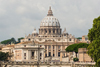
(20,17)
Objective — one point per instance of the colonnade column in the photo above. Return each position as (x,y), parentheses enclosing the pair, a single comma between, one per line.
(44,51)
(61,54)
(65,52)
(51,31)
(47,31)
(61,47)
(47,51)
(51,50)
(55,51)
(58,31)
(42,56)
(55,31)
(27,55)
(35,55)
(43,31)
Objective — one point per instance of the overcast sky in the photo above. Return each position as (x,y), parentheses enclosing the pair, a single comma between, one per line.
(20,17)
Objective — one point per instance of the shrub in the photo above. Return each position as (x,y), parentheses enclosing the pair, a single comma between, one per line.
(75,59)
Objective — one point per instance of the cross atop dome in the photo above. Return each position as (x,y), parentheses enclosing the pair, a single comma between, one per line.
(50,13)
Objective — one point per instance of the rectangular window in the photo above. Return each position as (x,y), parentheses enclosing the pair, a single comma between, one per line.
(40,54)
(53,47)
(24,45)
(49,53)
(49,47)
(58,54)
(40,45)
(32,53)
(24,54)
(53,55)
(45,55)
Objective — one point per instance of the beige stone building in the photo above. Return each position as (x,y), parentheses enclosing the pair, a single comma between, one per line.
(9,49)
(28,51)
(84,39)
(83,56)
(25,51)
(49,44)
(51,35)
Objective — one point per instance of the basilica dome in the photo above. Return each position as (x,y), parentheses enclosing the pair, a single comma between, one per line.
(50,20)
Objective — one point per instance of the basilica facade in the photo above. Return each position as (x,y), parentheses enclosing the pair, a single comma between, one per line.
(51,36)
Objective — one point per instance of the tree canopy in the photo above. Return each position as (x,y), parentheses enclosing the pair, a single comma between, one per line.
(79,38)
(4,56)
(74,47)
(9,41)
(94,37)
(12,40)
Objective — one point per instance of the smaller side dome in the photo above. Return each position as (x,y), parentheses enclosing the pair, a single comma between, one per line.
(34,31)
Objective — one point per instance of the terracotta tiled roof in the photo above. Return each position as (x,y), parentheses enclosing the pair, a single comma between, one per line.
(24,42)
(10,45)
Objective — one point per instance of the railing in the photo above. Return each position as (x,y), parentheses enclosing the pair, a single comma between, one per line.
(73,64)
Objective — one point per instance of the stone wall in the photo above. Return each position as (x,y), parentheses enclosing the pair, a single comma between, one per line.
(46,64)
(83,56)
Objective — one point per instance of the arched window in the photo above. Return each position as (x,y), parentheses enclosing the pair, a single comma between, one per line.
(53,30)
(70,39)
(49,31)
(29,39)
(45,31)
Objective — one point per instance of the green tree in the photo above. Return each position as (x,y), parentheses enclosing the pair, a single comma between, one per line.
(79,38)
(13,40)
(75,59)
(4,56)
(94,37)
(9,41)
(75,47)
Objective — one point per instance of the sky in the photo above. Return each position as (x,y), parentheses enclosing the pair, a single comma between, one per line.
(19,17)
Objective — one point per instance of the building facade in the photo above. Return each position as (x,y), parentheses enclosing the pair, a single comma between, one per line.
(51,36)
(29,51)
(83,56)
